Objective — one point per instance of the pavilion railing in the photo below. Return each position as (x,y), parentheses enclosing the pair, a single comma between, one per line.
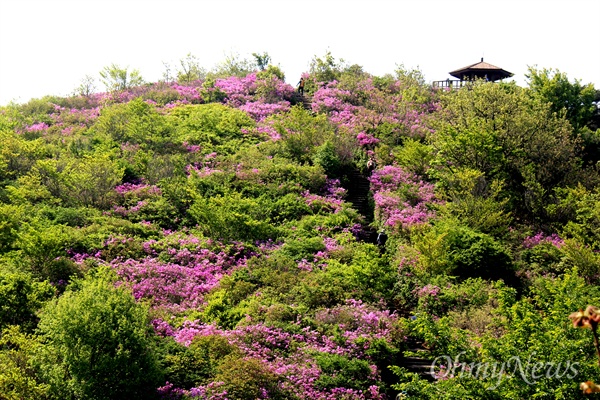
(451,84)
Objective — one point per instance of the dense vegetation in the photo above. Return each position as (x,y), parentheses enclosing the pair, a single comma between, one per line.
(208,237)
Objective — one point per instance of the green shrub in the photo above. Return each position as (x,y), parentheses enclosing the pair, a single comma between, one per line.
(248,379)
(301,133)
(326,156)
(542,259)
(232,217)
(458,297)
(414,156)
(458,250)
(162,94)
(20,299)
(45,249)
(215,127)
(474,254)
(196,364)
(91,180)
(302,248)
(339,371)
(98,343)
(289,207)
(582,257)
(18,380)
(135,122)
(10,221)
(477,203)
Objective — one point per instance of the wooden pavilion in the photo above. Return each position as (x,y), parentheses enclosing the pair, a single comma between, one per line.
(479,70)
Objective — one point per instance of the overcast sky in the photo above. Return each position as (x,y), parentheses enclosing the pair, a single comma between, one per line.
(49,46)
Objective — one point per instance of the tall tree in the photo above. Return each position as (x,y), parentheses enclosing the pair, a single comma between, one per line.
(190,70)
(500,130)
(87,86)
(326,69)
(97,343)
(116,78)
(262,60)
(573,98)
(234,65)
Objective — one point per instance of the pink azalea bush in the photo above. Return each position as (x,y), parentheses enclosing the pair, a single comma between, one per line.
(291,355)
(540,237)
(401,198)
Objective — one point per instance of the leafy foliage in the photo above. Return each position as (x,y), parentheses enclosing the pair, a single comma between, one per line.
(97,343)
(213,236)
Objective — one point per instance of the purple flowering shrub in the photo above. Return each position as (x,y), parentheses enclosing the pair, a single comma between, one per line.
(299,360)
(541,238)
(373,114)
(545,254)
(402,200)
(173,273)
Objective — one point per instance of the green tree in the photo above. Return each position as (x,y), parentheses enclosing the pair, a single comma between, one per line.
(233,65)
(268,74)
(116,78)
(87,86)
(327,68)
(510,137)
(262,60)
(98,343)
(412,84)
(190,70)
(573,98)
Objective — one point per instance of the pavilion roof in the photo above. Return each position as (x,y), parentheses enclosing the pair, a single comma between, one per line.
(480,69)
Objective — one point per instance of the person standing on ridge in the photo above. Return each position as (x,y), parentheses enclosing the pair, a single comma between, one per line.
(381,240)
(301,86)
(371,165)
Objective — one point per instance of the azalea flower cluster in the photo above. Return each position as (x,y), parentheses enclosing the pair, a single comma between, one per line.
(331,200)
(540,237)
(330,99)
(259,98)
(84,117)
(37,127)
(366,108)
(176,271)
(401,199)
(137,189)
(188,94)
(180,283)
(428,290)
(320,257)
(133,197)
(291,356)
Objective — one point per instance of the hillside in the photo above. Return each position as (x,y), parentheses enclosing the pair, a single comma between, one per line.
(217,239)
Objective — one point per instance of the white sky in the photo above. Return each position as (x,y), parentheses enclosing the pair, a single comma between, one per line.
(49,46)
